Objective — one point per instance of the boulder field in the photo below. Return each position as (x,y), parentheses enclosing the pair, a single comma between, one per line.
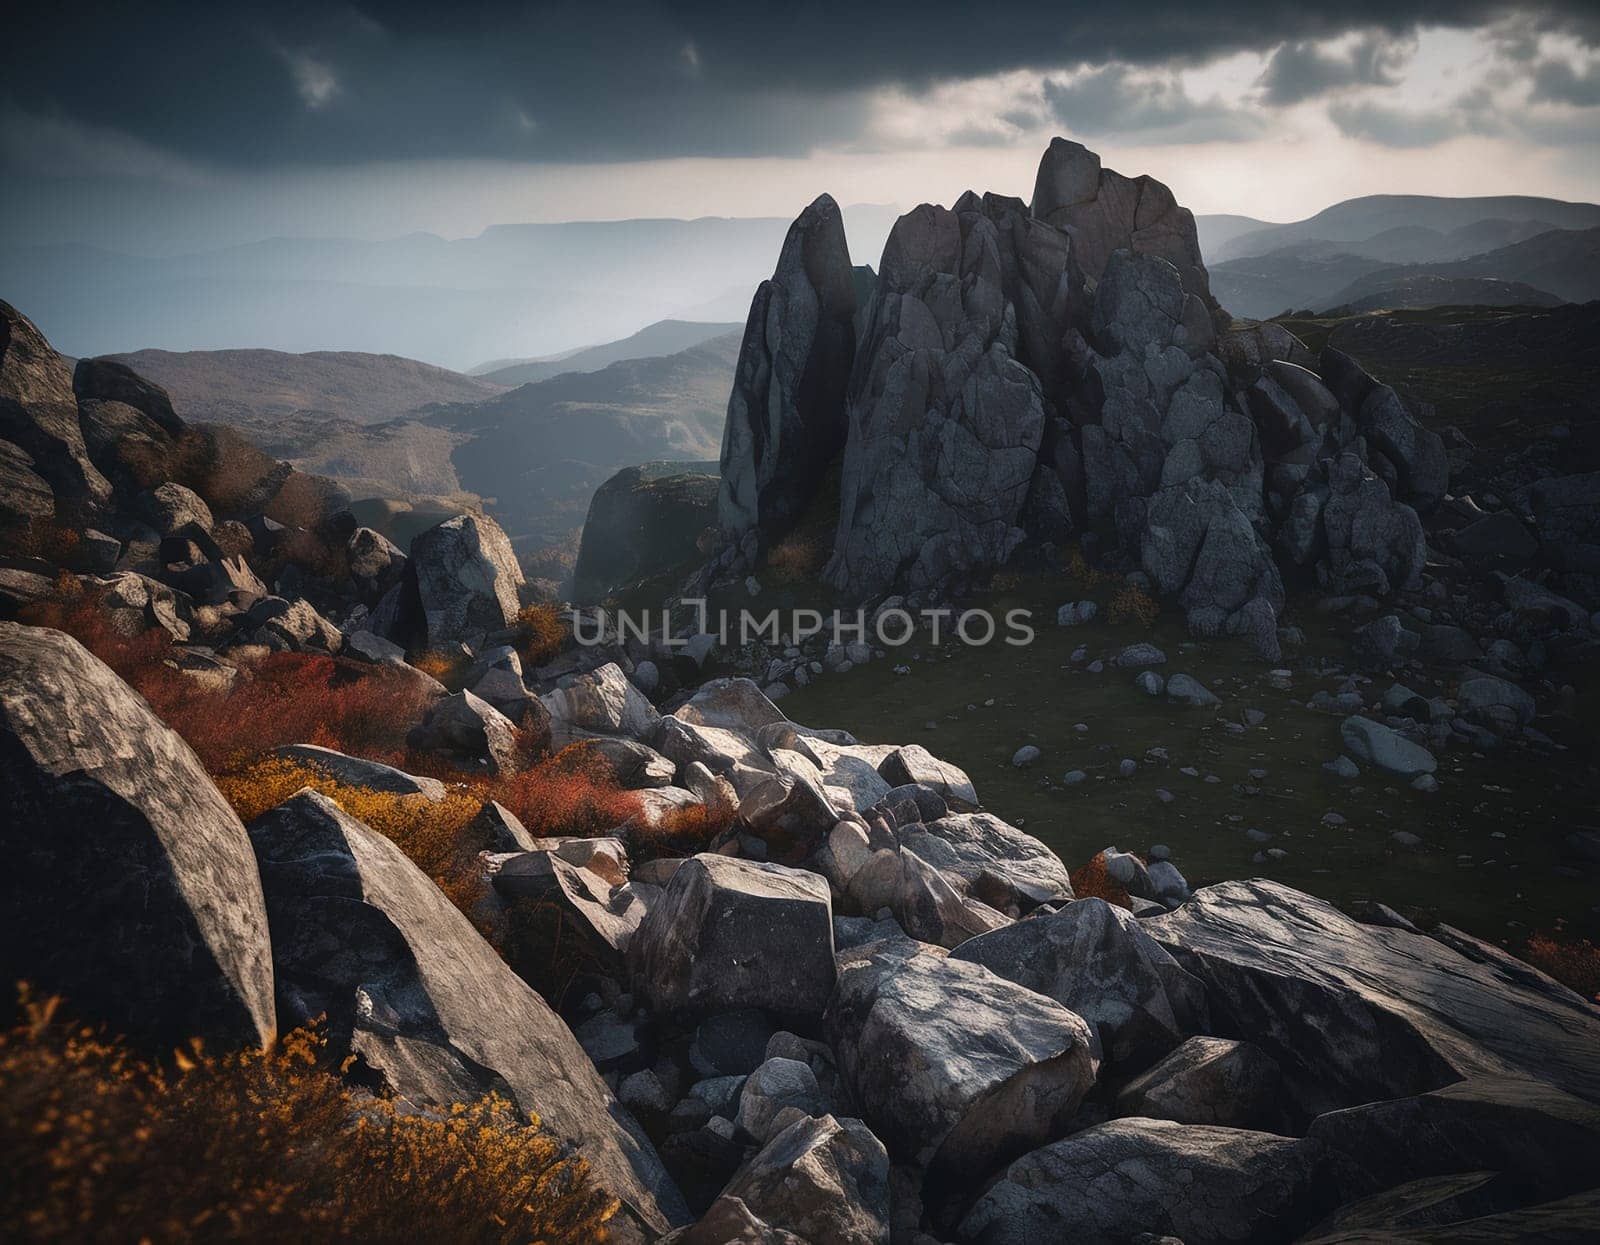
(867,1010)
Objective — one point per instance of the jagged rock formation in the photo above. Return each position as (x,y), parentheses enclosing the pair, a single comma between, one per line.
(1035,372)
(785,415)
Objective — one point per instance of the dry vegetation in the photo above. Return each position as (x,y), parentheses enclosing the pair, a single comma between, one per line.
(101,1146)
(1133,604)
(541,633)
(1093,882)
(795,558)
(1574,962)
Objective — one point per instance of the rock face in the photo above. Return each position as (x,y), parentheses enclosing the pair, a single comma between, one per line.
(1116,1180)
(466,579)
(39,415)
(734,933)
(786,412)
(130,887)
(955,1068)
(1027,372)
(1093,959)
(1106,212)
(640,525)
(360,935)
(1354,1013)
(945,421)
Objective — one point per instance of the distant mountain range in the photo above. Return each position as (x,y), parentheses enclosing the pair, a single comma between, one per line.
(1422,219)
(664,337)
(513,291)
(1391,251)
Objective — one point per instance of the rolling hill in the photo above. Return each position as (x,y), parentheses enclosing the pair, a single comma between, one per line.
(255,386)
(664,337)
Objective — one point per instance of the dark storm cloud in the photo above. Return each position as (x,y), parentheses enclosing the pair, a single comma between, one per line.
(1301,70)
(1557,82)
(256,86)
(1116,99)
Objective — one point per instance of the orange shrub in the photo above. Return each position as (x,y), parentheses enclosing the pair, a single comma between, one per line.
(251,1146)
(1093,882)
(1575,963)
(794,558)
(429,832)
(574,792)
(284,698)
(683,831)
(542,632)
(1133,603)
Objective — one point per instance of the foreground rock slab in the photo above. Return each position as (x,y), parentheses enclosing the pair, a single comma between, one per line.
(1355,1013)
(1116,1180)
(130,887)
(410,989)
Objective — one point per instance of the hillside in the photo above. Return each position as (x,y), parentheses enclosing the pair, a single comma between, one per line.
(1357,220)
(1560,265)
(1423,289)
(661,338)
(537,453)
(252,386)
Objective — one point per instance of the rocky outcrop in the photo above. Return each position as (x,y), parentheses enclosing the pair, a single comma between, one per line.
(1026,373)
(1353,1013)
(130,886)
(785,420)
(641,525)
(1116,1180)
(423,1003)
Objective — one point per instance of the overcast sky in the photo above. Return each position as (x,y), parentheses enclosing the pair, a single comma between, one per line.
(152,128)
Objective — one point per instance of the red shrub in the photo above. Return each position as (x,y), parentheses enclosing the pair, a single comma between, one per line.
(1094,882)
(1575,963)
(684,831)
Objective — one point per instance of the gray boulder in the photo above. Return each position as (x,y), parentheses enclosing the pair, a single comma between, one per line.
(472,732)
(1353,1013)
(1095,960)
(1111,1182)
(990,860)
(786,418)
(955,1068)
(732,933)
(1496,703)
(1209,1080)
(601,702)
(361,936)
(823,1179)
(376,563)
(1383,746)
(466,578)
(130,888)
(777,1084)
(913,763)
